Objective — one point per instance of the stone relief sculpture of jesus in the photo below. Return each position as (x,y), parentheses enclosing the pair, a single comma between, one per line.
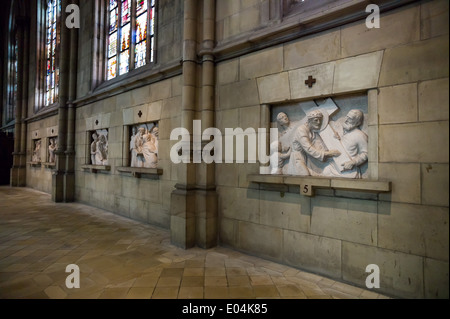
(51,150)
(99,147)
(317,146)
(36,157)
(144,146)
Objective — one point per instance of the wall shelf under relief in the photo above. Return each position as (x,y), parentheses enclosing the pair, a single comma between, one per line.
(34,164)
(308,184)
(49,164)
(138,171)
(96,168)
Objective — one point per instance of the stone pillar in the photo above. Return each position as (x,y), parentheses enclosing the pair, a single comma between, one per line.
(69,175)
(18,171)
(206,199)
(58,177)
(182,207)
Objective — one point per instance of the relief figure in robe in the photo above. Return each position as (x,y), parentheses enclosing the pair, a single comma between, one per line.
(51,150)
(307,144)
(355,143)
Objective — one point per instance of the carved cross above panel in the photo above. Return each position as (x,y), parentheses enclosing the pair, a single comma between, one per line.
(140,113)
(310,81)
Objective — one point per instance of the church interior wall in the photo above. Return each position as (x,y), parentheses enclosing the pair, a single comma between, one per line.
(399,70)
(147,198)
(39,175)
(336,232)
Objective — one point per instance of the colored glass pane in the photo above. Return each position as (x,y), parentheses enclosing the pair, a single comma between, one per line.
(152,21)
(52,71)
(125,12)
(141,7)
(125,37)
(124,62)
(113,14)
(112,45)
(112,68)
(152,43)
(140,54)
(141,28)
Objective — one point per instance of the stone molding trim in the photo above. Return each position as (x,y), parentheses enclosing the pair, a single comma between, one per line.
(348,75)
(308,184)
(149,112)
(96,168)
(139,171)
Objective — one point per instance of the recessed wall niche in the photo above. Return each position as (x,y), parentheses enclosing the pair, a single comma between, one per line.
(337,147)
(36,155)
(52,145)
(98,147)
(143,145)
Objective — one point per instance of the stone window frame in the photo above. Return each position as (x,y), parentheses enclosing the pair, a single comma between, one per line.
(9,110)
(101,49)
(41,57)
(292,7)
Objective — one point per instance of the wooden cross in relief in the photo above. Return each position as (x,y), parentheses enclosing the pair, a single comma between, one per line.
(310,82)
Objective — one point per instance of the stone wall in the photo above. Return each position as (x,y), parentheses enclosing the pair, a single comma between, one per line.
(404,67)
(39,176)
(401,67)
(146,199)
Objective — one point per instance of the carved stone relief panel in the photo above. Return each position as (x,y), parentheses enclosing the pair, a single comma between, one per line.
(99,147)
(144,145)
(52,146)
(36,155)
(325,137)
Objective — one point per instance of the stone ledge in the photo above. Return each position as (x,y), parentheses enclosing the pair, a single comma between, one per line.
(34,163)
(96,168)
(49,164)
(138,171)
(308,183)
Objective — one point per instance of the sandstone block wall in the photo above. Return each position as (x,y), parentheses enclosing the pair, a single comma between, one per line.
(339,233)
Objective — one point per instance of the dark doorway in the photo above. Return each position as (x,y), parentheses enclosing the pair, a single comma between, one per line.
(6,157)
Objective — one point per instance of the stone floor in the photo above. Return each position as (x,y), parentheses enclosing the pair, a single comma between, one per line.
(124,259)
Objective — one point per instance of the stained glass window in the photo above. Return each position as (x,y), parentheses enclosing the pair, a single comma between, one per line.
(129,21)
(52,43)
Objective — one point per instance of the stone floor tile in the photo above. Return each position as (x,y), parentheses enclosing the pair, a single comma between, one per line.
(238,281)
(122,258)
(216,293)
(239,292)
(261,280)
(267,291)
(193,281)
(215,271)
(114,293)
(169,282)
(55,292)
(190,293)
(139,293)
(165,293)
(190,271)
(216,281)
